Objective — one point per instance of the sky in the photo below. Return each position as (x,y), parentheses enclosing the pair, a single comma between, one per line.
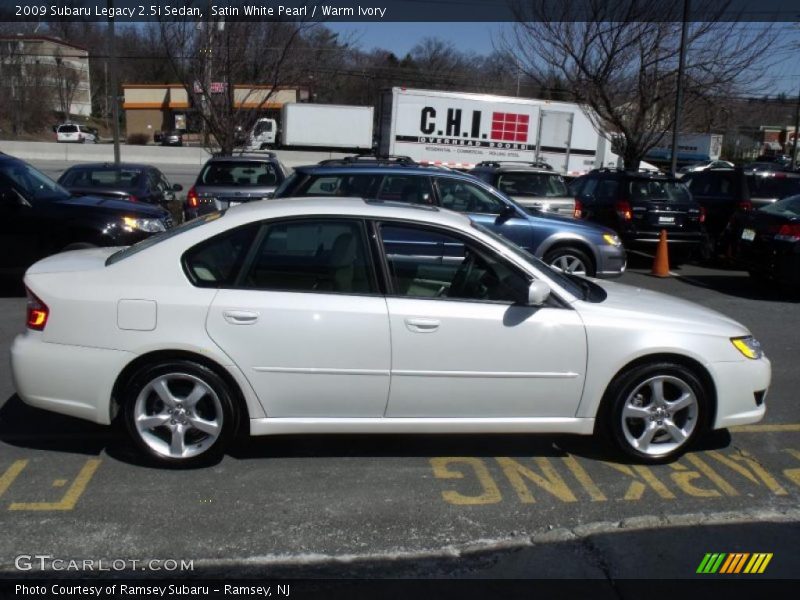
(400,38)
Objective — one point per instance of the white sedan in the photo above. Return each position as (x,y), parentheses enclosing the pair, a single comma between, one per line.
(309,316)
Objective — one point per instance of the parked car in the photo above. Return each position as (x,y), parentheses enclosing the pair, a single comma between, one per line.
(78,134)
(721,192)
(704,166)
(762,166)
(312,316)
(39,218)
(639,205)
(126,181)
(532,185)
(767,187)
(230,180)
(767,241)
(570,245)
(170,138)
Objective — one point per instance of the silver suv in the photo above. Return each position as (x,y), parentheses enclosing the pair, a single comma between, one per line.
(230,180)
(532,185)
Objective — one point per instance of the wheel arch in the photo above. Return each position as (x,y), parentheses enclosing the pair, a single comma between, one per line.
(681,359)
(161,355)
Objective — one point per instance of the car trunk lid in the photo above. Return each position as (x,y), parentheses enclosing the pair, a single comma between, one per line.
(73,260)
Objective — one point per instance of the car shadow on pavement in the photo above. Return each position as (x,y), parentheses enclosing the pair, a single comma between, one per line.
(24,426)
(743,286)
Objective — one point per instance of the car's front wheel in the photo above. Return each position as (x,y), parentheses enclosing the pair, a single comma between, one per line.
(179,413)
(654,412)
(570,260)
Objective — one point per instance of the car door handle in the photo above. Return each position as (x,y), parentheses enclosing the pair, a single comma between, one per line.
(422,325)
(240,317)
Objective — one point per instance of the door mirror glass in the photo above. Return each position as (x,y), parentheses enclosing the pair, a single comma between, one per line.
(538,293)
(177,187)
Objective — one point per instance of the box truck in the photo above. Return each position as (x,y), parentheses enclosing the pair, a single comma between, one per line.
(316,126)
(692,147)
(459,130)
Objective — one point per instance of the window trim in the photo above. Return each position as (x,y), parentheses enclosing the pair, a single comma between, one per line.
(250,254)
(467,239)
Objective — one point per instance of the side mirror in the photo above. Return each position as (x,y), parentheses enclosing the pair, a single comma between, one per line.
(177,187)
(538,293)
(505,214)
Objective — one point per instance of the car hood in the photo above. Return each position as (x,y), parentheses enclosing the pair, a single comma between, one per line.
(635,303)
(115,205)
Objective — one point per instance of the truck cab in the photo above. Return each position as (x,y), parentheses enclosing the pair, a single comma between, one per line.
(263,135)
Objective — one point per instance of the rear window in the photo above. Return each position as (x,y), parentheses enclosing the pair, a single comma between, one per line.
(339,184)
(714,185)
(773,187)
(788,207)
(103,178)
(153,240)
(540,185)
(68,129)
(647,190)
(240,174)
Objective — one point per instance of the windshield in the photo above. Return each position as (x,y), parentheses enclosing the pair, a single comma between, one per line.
(240,174)
(532,184)
(788,207)
(657,189)
(32,184)
(151,241)
(103,178)
(565,281)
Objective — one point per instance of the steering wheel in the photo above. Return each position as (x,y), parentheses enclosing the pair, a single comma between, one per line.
(462,277)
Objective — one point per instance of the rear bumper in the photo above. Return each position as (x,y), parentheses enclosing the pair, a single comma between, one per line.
(70,380)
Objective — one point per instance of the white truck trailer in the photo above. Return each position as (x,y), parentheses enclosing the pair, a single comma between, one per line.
(692,147)
(459,130)
(316,126)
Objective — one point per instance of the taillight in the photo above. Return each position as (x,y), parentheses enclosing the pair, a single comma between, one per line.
(133,198)
(623,208)
(578,212)
(191,198)
(702,214)
(788,232)
(37,312)
(745,205)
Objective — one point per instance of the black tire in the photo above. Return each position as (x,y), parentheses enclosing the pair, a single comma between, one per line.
(619,431)
(184,374)
(570,252)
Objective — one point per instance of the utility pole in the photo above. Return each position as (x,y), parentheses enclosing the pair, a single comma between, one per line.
(796,132)
(679,90)
(112,50)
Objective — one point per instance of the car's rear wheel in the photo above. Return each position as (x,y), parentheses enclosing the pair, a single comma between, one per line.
(654,412)
(179,413)
(570,260)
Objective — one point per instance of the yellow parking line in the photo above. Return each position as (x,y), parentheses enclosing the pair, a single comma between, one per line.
(766,428)
(11,474)
(70,498)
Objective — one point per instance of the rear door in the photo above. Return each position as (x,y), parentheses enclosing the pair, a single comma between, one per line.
(304,319)
(555,139)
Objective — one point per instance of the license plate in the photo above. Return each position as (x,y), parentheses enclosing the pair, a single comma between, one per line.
(748,235)
(666,220)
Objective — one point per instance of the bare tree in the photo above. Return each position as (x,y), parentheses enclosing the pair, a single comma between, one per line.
(620,59)
(212,59)
(25,90)
(66,79)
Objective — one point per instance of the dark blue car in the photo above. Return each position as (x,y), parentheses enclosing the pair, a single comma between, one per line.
(569,245)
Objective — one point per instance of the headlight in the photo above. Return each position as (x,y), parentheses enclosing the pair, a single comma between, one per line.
(612,239)
(148,225)
(749,346)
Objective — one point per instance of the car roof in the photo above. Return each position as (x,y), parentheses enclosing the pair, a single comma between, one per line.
(515,169)
(406,169)
(245,157)
(111,166)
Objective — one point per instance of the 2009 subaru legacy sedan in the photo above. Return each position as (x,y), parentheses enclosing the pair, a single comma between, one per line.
(311,316)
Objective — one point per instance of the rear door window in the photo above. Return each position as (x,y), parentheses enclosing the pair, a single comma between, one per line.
(406,188)
(340,184)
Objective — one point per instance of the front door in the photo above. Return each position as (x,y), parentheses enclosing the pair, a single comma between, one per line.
(463,344)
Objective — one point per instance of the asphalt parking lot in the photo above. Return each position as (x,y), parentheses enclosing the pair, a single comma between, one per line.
(470,506)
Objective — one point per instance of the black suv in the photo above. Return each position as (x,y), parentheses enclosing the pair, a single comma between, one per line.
(38,217)
(639,205)
(532,185)
(721,192)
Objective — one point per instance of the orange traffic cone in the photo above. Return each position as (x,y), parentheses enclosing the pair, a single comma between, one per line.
(661,262)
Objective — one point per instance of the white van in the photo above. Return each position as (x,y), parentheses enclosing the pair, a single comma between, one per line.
(79,134)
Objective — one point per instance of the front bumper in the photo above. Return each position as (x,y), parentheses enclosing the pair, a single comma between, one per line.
(741,385)
(611,261)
